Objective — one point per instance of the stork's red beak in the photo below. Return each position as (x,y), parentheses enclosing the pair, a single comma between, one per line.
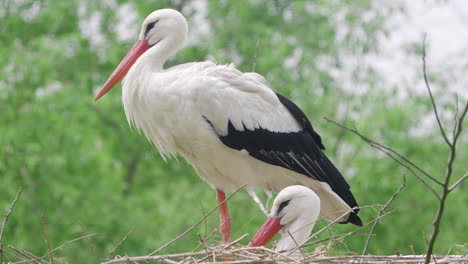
(135,52)
(266,232)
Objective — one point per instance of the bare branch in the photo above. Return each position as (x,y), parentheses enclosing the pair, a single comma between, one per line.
(118,245)
(46,232)
(196,224)
(455,185)
(349,233)
(387,151)
(29,255)
(66,243)
(376,144)
(448,174)
(5,220)
(381,211)
(10,209)
(455,117)
(91,248)
(442,131)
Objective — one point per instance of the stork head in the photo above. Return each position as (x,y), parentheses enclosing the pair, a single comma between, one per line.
(165,28)
(294,205)
(164,24)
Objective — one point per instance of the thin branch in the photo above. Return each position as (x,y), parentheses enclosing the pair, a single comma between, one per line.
(46,233)
(118,245)
(196,224)
(29,255)
(455,117)
(202,241)
(329,224)
(446,189)
(442,131)
(349,233)
(91,248)
(455,185)
(375,143)
(381,211)
(66,243)
(5,220)
(384,150)
(10,209)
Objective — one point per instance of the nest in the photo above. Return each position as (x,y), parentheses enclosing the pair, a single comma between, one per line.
(235,253)
(241,255)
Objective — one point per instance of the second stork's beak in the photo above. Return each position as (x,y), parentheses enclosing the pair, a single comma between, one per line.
(135,52)
(266,232)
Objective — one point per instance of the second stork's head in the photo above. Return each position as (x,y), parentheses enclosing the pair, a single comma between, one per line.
(296,208)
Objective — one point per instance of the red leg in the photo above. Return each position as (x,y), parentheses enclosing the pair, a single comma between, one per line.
(224,220)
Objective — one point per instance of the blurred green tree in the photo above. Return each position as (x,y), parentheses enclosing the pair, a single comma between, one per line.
(77,161)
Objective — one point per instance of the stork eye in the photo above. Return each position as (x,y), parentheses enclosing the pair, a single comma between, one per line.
(282,206)
(150,26)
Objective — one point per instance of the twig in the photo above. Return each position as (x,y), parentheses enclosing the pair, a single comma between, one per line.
(448,173)
(442,131)
(236,241)
(446,189)
(10,209)
(68,242)
(5,220)
(455,185)
(127,259)
(14,255)
(297,245)
(29,255)
(57,248)
(118,245)
(455,117)
(364,251)
(381,146)
(329,224)
(247,224)
(349,233)
(91,248)
(46,233)
(384,149)
(196,224)
(203,243)
(205,239)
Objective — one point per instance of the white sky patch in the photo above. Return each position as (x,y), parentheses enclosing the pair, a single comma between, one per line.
(30,13)
(198,23)
(446,25)
(127,26)
(293,60)
(49,89)
(90,25)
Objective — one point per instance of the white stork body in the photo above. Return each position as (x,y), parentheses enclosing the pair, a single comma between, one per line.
(214,93)
(230,126)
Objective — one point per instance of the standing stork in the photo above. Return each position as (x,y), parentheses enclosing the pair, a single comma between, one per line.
(229,125)
(296,208)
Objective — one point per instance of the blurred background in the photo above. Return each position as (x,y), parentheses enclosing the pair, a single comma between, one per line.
(356,62)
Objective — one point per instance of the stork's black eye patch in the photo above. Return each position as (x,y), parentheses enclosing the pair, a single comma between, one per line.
(150,26)
(282,206)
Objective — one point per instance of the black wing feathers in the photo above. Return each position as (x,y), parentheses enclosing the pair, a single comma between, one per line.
(297,151)
(301,118)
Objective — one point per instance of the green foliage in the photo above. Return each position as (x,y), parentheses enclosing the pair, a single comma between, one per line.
(79,162)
